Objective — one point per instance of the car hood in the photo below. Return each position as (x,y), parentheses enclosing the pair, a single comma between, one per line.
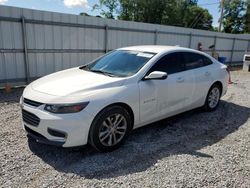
(74,81)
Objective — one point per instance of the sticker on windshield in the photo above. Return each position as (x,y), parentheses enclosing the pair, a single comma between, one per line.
(145,55)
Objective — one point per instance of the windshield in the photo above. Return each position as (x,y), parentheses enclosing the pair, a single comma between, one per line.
(120,63)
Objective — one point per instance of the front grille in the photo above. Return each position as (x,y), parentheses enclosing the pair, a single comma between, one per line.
(34,133)
(32,103)
(30,118)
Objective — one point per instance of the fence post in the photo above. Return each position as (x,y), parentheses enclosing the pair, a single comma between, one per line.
(190,40)
(4,65)
(248,46)
(26,58)
(215,40)
(106,39)
(156,37)
(232,52)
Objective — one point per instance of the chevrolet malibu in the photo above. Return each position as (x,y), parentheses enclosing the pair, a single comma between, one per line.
(101,102)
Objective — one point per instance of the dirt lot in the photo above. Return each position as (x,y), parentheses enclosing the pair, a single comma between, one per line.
(195,149)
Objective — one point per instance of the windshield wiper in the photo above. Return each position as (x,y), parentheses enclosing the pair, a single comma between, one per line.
(103,72)
(85,67)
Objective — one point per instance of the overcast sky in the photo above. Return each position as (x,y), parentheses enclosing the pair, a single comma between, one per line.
(77,6)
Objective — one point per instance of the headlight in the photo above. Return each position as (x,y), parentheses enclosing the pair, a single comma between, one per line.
(65,108)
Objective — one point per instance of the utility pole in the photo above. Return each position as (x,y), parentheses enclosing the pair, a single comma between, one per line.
(221,13)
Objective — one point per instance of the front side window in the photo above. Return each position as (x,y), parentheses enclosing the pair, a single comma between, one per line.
(170,63)
(120,63)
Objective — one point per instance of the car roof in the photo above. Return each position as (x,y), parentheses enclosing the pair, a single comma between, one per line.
(153,48)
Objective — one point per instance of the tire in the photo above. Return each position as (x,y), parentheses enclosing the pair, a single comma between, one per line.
(214,93)
(110,128)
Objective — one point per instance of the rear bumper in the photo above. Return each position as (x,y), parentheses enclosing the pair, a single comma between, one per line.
(225,86)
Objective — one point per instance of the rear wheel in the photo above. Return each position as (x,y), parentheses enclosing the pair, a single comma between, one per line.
(109,128)
(213,98)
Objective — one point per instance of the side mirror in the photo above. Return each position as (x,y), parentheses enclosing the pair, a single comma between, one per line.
(156,75)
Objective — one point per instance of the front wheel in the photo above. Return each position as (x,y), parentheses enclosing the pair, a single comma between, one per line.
(213,98)
(109,128)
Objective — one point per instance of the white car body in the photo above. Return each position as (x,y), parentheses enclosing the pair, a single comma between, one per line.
(149,101)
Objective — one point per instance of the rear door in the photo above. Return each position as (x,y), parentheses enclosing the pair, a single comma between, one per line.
(200,66)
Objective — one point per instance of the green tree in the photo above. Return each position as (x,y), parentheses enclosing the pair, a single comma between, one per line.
(191,2)
(173,14)
(247,18)
(233,16)
(108,8)
(167,12)
(149,11)
(184,13)
(198,18)
(84,14)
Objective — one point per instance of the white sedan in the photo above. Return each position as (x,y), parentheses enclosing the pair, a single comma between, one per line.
(101,102)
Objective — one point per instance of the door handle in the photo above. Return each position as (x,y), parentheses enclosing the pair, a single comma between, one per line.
(207,73)
(180,79)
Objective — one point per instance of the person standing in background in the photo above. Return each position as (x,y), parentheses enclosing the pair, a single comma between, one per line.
(199,46)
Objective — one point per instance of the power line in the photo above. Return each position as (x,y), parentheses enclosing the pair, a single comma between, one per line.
(208,4)
(195,20)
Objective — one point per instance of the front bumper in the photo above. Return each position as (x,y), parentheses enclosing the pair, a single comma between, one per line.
(40,138)
(74,127)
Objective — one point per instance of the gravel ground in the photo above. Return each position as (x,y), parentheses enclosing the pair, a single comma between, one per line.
(195,149)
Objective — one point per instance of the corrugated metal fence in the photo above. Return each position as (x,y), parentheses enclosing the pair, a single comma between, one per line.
(35,43)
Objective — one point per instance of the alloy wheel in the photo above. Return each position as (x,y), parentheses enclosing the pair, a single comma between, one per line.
(214,97)
(112,130)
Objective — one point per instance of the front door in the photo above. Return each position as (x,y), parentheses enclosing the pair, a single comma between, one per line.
(163,98)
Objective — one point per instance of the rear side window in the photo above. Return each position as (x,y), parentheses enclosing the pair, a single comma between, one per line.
(207,61)
(194,60)
(171,63)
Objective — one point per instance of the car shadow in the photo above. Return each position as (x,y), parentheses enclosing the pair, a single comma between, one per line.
(186,133)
